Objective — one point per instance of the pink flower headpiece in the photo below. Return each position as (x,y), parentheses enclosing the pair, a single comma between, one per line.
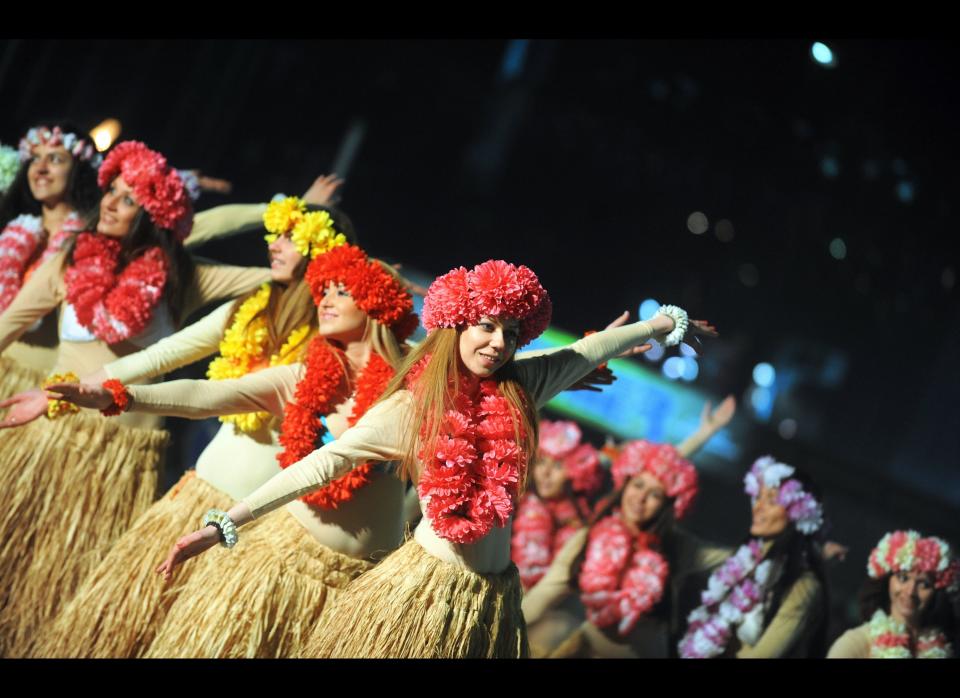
(677,474)
(907,551)
(78,146)
(493,289)
(561,441)
(156,185)
(802,507)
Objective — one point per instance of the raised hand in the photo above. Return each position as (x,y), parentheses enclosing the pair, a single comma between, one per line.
(715,420)
(24,408)
(323,191)
(92,396)
(214,184)
(835,551)
(702,328)
(188,546)
(595,380)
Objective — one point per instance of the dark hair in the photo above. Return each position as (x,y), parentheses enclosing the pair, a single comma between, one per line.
(83,194)
(341,221)
(800,554)
(941,613)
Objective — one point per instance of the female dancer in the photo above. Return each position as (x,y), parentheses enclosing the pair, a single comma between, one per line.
(270,326)
(655,488)
(296,560)
(119,288)
(906,602)
(769,598)
(461,418)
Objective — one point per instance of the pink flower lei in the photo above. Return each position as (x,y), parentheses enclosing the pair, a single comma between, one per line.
(908,551)
(889,639)
(156,185)
(622,577)
(470,475)
(540,528)
(802,508)
(20,241)
(494,289)
(733,602)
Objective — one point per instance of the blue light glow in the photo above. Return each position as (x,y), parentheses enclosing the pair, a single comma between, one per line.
(673,367)
(513,59)
(764,375)
(648,309)
(822,54)
(761,399)
(656,353)
(905,192)
(830,167)
(838,248)
(691,369)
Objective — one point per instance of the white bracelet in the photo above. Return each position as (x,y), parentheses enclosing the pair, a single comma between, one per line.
(223,522)
(680,324)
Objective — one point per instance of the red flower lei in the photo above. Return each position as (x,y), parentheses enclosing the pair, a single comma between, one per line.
(315,397)
(471,474)
(622,578)
(540,529)
(114,307)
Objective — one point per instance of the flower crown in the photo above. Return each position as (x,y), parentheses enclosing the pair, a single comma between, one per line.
(78,146)
(664,462)
(802,507)
(492,289)
(312,232)
(156,185)
(374,290)
(907,551)
(561,441)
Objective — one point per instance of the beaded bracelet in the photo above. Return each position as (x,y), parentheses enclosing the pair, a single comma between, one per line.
(223,522)
(55,406)
(680,324)
(121,398)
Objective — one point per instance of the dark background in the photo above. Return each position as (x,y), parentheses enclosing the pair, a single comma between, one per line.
(584,160)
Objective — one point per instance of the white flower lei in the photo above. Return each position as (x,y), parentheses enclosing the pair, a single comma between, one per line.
(896,644)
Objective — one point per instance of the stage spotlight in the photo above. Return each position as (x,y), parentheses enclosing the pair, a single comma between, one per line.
(761,399)
(687,350)
(764,375)
(690,369)
(822,54)
(905,192)
(787,428)
(105,133)
(838,248)
(697,223)
(648,309)
(656,353)
(673,367)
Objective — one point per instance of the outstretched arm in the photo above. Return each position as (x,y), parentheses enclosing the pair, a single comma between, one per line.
(711,421)
(37,297)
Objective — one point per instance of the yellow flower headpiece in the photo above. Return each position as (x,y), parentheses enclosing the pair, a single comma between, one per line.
(311,232)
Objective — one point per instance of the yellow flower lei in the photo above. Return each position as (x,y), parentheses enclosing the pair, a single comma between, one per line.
(311,232)
(242,348)
(55,407)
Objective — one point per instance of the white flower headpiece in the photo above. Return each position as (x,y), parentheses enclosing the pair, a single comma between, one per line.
(802,507)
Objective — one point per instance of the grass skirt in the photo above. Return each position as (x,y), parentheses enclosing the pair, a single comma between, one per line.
(71,487)
(414,605)
(119,607)
(260,599)
(16,378)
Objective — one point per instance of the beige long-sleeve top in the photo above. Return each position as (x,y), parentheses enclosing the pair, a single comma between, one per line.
(221,221)
(853,644)
(789,632)
(46,291)
(368,526)
(379,436)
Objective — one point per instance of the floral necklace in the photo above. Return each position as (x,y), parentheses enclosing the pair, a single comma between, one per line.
(19,242)
(889,639)
(243,350)
(540,528)
(471,473)
(622,577)
(317,396)
(114,307)
(733,600)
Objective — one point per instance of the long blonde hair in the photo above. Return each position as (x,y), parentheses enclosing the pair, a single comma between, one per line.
(435,392)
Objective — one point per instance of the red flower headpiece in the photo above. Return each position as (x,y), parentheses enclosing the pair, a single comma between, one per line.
(374,290)
(561,441)
(908,551)
(493,289)
(156,185)
(677,474)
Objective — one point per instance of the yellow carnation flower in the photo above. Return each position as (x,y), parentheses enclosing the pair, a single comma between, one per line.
(314,234)
(281,216)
